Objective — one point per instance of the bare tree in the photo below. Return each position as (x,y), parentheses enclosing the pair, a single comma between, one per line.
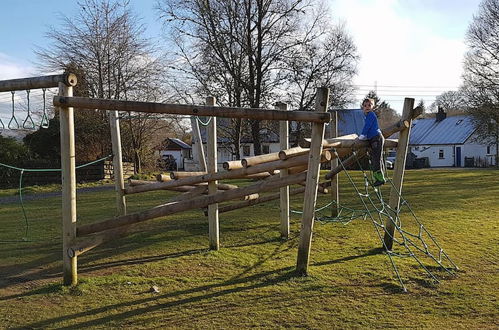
(241,45)
(329,59)
(481,72)
(453,102)
(105,43)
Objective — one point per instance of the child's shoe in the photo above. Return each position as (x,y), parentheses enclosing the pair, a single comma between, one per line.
(380,179)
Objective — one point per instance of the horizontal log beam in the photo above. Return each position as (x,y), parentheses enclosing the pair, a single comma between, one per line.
(68,79)
(163,177)
(190,110)
(232,165)
(329,143)
(195,203)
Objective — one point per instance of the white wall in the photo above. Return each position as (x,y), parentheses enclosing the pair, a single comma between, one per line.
(480,151)
(467,150)
(432,152)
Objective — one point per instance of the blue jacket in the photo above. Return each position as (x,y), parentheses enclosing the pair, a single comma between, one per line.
(371,128)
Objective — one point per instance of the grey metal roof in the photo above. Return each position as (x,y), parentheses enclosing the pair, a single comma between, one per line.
(180,143)
(451,130)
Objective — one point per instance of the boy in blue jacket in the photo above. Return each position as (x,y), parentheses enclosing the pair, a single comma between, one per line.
(372,134)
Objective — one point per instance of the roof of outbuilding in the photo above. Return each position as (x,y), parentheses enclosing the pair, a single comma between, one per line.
(451,130)
(180,143)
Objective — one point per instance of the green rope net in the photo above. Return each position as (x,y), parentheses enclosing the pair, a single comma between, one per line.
(417,245)
(25,237)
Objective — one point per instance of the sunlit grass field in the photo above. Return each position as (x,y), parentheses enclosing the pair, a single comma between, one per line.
(251,282)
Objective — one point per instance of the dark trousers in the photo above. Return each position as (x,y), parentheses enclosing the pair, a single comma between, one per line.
(376,143)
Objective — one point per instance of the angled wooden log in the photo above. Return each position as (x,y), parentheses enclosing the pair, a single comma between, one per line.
(196,191)
(85,244)
(138,183)
(261,199)
(399,170)
(255,160)
(297,169)
(312,175)
(296,151)
(212,168)
(220,186)
(239,173)
(180,175)
(198,143)
(347,162)
(195,203)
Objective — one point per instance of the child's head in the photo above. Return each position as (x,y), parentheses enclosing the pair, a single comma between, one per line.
(367,105)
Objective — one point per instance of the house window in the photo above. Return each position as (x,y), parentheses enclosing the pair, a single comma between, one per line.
(489,150)
(246,151)
(266,149)
(441,154)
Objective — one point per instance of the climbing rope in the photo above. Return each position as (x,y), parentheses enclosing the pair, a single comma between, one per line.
(21,201)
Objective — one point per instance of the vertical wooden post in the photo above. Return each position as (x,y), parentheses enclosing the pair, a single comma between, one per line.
(313,172)
(213,225)
(119,181)
(284,191)
(198,142)
(68,173)
(335,188)
(399,170)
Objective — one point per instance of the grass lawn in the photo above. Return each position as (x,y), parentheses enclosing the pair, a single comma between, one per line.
(250,282)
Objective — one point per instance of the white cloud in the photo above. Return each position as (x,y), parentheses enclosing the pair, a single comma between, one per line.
(400,46)
(12,69)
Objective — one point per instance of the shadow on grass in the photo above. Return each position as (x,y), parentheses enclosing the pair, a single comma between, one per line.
(135,308)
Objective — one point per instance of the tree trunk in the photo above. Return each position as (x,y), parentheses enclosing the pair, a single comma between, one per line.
(255,134)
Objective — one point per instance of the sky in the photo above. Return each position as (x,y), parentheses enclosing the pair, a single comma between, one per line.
(408,48)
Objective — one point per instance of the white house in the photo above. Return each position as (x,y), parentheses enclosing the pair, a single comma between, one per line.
(449,141)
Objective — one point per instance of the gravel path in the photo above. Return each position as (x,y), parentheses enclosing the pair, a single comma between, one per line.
(32,197)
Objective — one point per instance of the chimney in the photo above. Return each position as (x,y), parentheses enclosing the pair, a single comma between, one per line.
(441,115)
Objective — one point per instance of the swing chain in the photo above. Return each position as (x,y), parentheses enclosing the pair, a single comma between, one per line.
(13,118)
(28,117)
(45,121)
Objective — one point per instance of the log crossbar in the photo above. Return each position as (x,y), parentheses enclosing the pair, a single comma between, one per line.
(52,81)
(190,110)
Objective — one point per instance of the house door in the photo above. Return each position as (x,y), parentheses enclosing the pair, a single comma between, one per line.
(458,156)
